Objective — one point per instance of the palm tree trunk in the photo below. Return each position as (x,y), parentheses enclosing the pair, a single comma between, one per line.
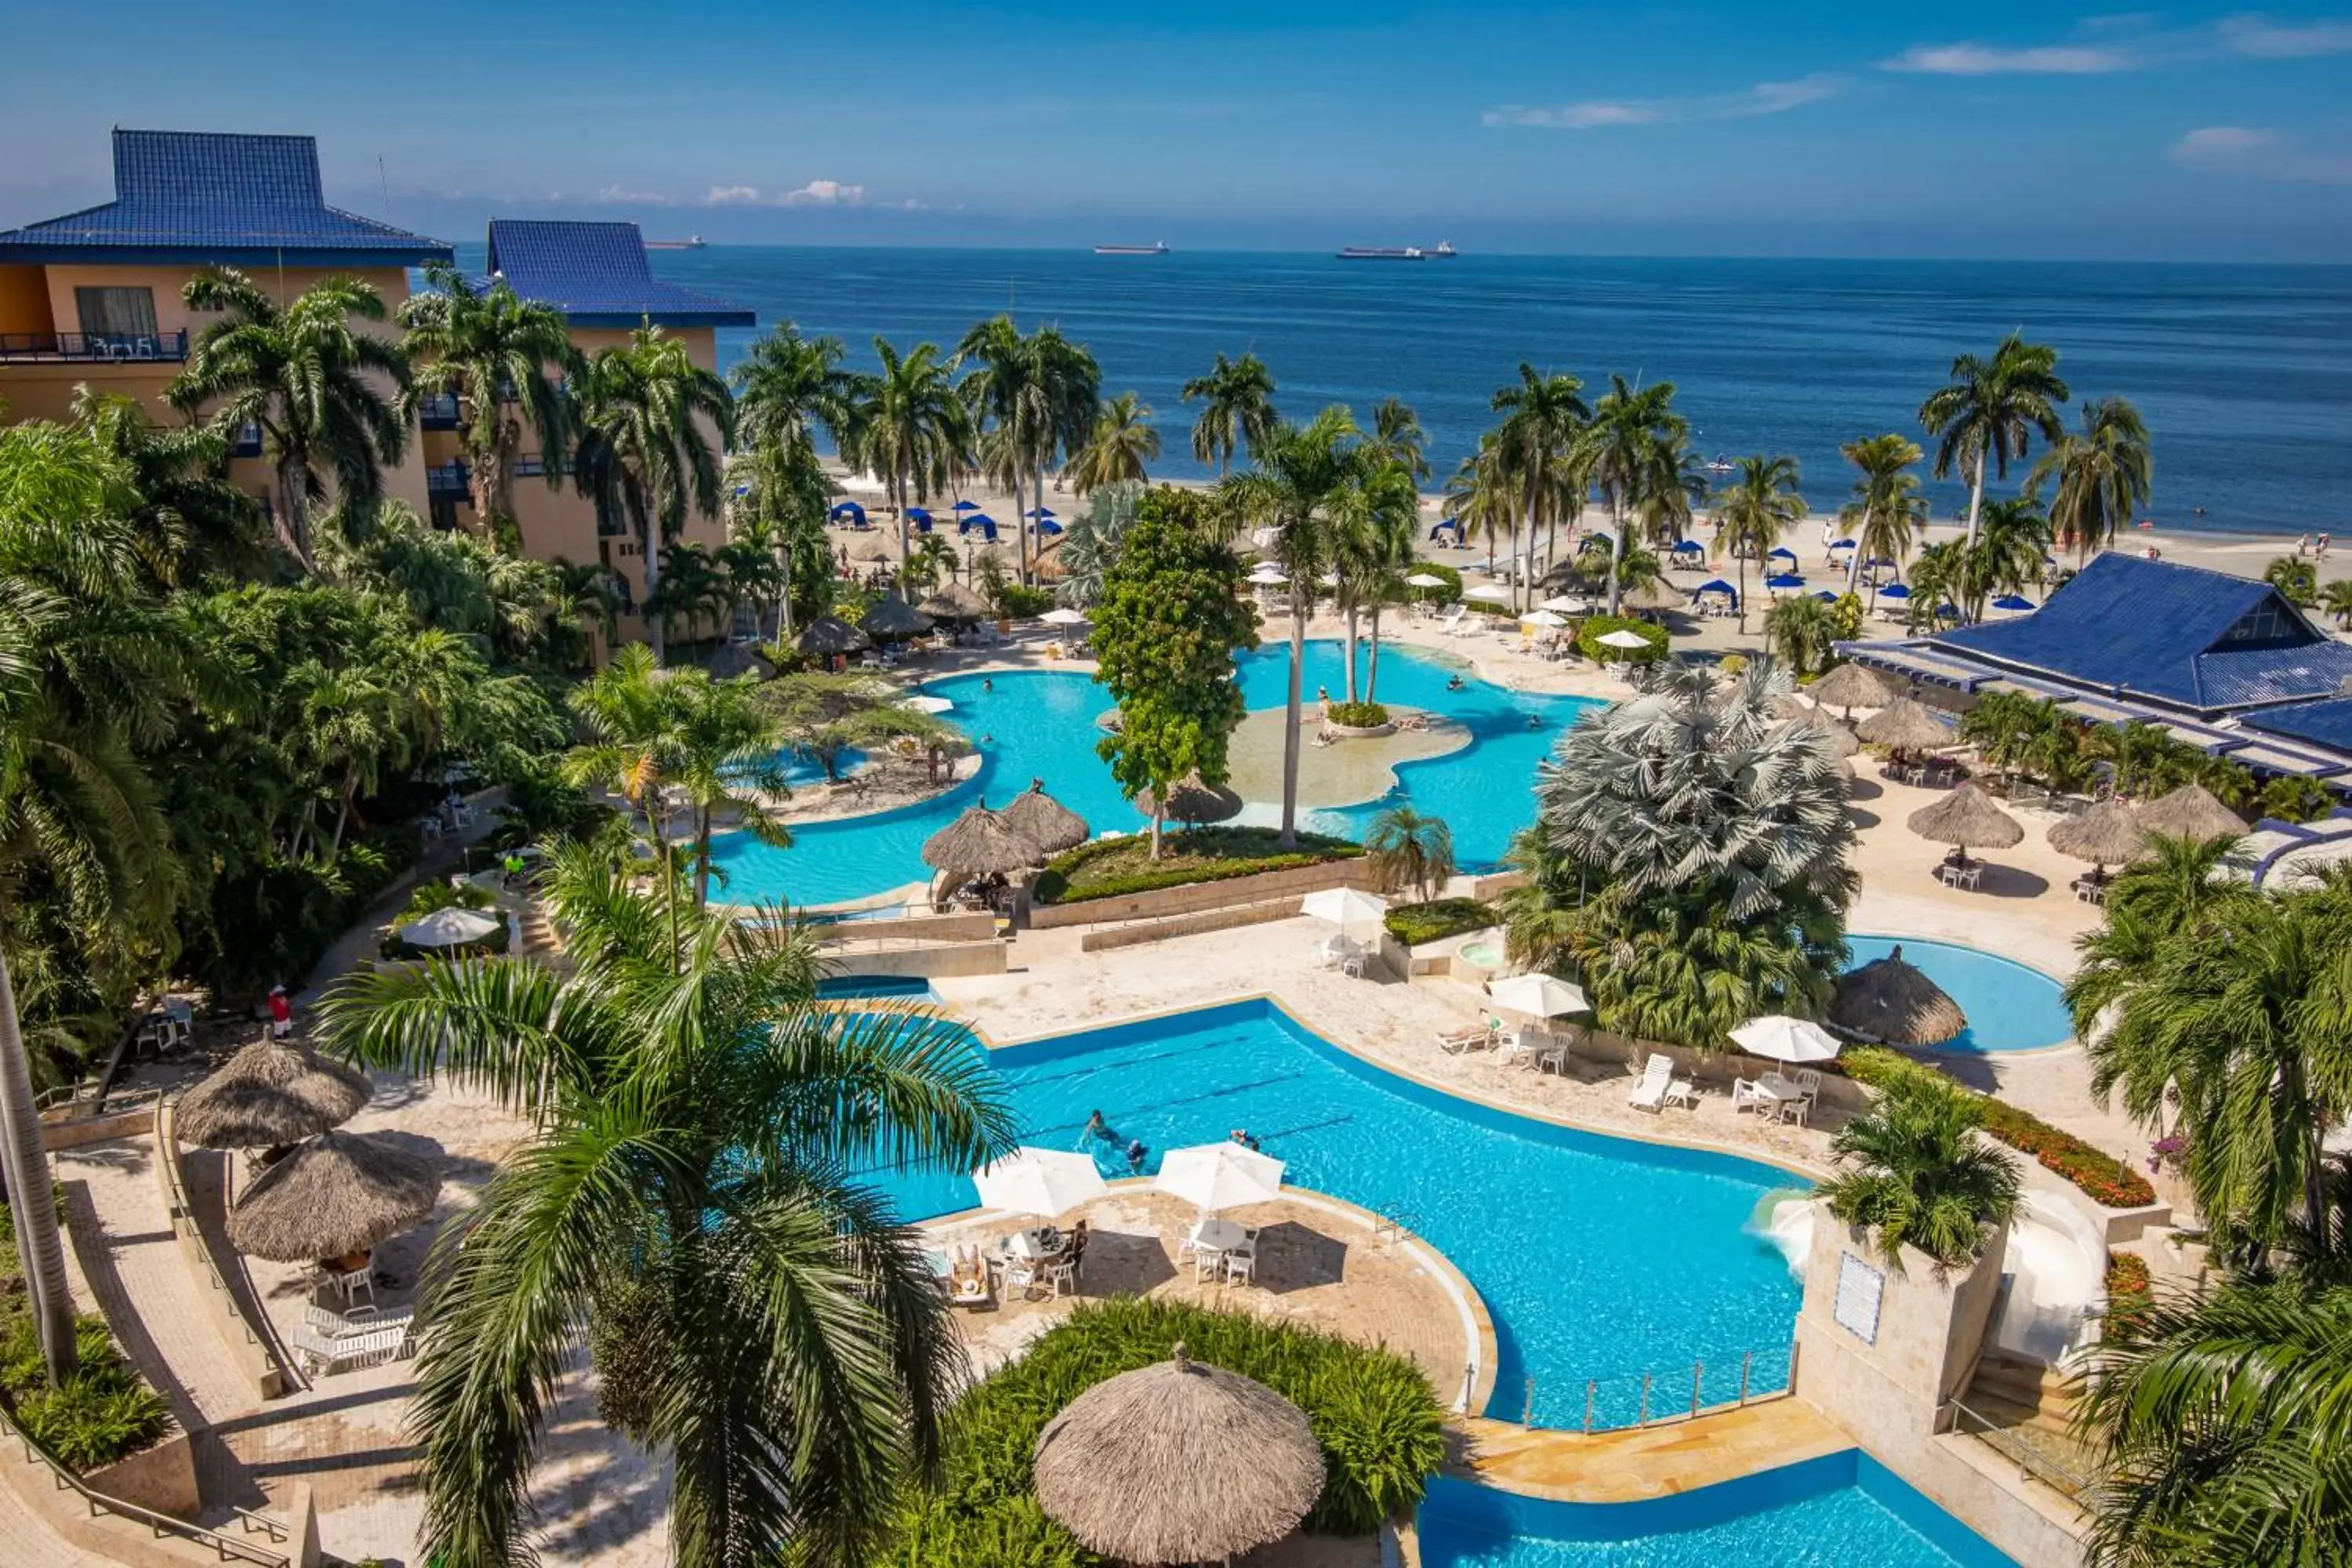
(1527,552)
(1156,814)
(1616,547)
(1351,653)
(702,857)
(651,555)
(27,1169)
(294,512)
(1976,492)
(1743,587)
(1372,674)
(1290,836)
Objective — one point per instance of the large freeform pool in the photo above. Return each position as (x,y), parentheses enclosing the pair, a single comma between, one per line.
(1040,724)
(1599,1258)
(2009,1006)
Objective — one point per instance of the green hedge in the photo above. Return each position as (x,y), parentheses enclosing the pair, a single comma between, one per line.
(1358,715)
(1452,579)
(1375,1415)
(1412,924)
(106,1413)
(1198,854)
(2107,1179)
(1588,643)
(1015,602)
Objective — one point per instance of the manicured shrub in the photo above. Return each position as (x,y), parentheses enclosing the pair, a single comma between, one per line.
(1114,868)
(2131,1291)
(1015,602)
(1358,715)
(1413,924)
(1588,643)
(1446,594)
(106,1413)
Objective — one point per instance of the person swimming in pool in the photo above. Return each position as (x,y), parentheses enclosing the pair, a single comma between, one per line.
(1453,683)
(988,683)
(1136,1154)
(1241,1136)
(1097,1128)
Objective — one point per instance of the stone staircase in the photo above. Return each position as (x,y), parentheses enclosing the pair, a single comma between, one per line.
(2026,1410)
(539,935)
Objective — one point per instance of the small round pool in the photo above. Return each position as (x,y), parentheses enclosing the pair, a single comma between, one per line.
(2010,1007)
(1485,954)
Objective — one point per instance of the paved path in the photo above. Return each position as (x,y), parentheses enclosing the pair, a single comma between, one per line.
(1648,1461)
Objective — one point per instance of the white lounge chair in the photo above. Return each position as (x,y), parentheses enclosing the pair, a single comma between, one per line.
(1453,1042)
(1447,622)
(1657,1077)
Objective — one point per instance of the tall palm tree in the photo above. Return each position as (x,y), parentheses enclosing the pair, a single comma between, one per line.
(1754,511)
(323,393)
(687,1211)
(649,423)
(2102,474)
(1990,411)
(1371,543)
(1033,398)
(1398,435)
(1915,1173)
(2012,538)
(188,520)
(1622,450)
(913,429)
(1237,411)
(1409,851)
(724,753)
(1888,512)
(500,357)
(1120,444)
(788,388)
(1676,483)
(1536,446)
(1480,497)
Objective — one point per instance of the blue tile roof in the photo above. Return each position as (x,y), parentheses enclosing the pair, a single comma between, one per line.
(2179,635)
(2328,723)
(598,276)
(202,196)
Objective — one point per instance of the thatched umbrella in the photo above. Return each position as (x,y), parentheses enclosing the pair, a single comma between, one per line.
(1966,816)
(830,634)
(1192,802)
(1654,595)
(1851,685)
(893,620)
(2192,811)
(270,1093)
(1888,999)
(868,547)
(955,602)
(1841,740)
(980,843)
(2108,834)
(1178,1462)
(339,1193)
(1905,724)
(1044,821)
(1110,720)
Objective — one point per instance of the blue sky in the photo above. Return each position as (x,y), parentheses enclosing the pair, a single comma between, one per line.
(1703,127)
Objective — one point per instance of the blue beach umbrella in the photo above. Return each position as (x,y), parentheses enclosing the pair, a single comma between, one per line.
(1038,514)
(977,519)
(1894,591)
(1047,526)
(1779,552)
(1825,596)
(1949,610)
(1784,580)
(1599,538)
(965,506)
(1841,544)
(919,518)
(850,510)
(1717,585)
(2012,602)
(1689,547)
(1876,562)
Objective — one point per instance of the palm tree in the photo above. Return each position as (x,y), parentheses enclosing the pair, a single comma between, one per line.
(1753,512)
(1632,431)
(649,423)
(1538,448)
(1397,434)
(1888,512)
(1803,631)
(323,393)
(1406,849)
(686,1212)
(501,358)
(913,429)
(1121,442)
(724,751)
(2012,539)
(1677,484)
(1091,547)
(2103,473)
(2337,600)
(788,388)
(1371,543)
(187,517)
(1037,396)
(1479,495)
(1991,409)
(1237,410)
(1915,1172)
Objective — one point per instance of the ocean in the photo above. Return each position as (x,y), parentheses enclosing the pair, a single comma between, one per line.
(2244,372)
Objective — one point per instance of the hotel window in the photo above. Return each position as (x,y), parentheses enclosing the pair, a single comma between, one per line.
(116,312)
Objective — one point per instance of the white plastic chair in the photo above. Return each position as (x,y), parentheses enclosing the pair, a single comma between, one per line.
(1657,1076)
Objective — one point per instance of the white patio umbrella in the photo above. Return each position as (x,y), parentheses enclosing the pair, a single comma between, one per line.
(1424,580)
(1064,617)
(1492,593)
(1212,1176)
(1267,577)
(923,702)
(1343,906)
(449,928)
(1624,639)
(1562,604)
(1781,1040)
(1545,618)
(1536,995)
(1039,1181)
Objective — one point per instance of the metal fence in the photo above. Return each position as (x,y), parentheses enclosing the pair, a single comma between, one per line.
(1729,1379)
(2036,1462)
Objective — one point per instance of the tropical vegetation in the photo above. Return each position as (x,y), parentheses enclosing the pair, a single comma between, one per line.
(1990,410)
(1114,868)
(2097,477)
(1408,851)
(1912,1173)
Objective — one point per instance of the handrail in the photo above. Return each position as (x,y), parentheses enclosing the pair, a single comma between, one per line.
(1662,1399)
(176,1197)
(99,1503)
(2035,1464)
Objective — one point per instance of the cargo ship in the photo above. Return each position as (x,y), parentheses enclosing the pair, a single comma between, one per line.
(1442,250)
(691,242)
(1160,248)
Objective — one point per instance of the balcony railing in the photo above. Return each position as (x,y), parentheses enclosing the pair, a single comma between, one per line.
(438,413)
(448,480)
(101,348)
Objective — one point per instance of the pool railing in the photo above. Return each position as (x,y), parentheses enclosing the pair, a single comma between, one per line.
(1661,1400)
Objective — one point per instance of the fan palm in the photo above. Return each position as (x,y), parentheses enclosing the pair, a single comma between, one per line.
(1091,546)
(1536,452)
(1887,513)
(1628,450)
(322,392)
(1120,444)
(1991,409)
(2099,475)
(501,358)
(1915,1173)
(1408,850)
(688,1211)
(1753,512)
(1237,411)
(649,423)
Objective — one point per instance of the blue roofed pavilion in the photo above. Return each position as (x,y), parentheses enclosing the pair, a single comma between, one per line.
(597,274)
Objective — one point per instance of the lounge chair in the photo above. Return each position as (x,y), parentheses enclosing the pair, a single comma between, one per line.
(1657,1077)
(1447,622)
(968,1278)
(1453,1042)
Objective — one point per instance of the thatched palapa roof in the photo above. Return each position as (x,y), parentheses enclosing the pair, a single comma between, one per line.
(891,618)
(1181,1462)
(1888,999)
(1841,741)
(2192,811)
(955,602)
(2107,835)
(979,843)
(1851,685)
(1905,724)
(1653,594)
(831,634)
(1110,720)
(1193,801)
(869,547)
(338,1194)
(1966,818)
(1044,821)
(270,1093)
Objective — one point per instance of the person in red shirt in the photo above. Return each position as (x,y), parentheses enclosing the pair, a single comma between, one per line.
(281,1014)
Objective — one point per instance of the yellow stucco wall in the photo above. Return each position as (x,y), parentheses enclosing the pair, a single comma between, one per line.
(24,300)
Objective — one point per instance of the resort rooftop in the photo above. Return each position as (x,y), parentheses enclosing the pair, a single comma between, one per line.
(598,276)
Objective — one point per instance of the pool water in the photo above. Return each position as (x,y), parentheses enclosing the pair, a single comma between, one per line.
(2009,1006)
(1841,1510)
(1598,1257)
(1040,724)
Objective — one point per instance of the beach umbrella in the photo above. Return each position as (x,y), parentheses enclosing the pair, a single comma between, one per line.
(1631,641)
(955,602)
(1064,617)
(2108,834)
(1904,725)
(1779,552)
(451,927)
(271,1093)
(1964,817)
(1689,547)
(337,1194)
(1894,591)
(1265,575)
(1560,604)
(869,548)
(1213,1176)
(2192,811)
(965,506)
(2012,602)
(1597,539)
(1489,593)
(830,634)
(1329,579)
(919,518)
(1044,821)
(1038,514)
(978,520)
(1825,596)
(1784,581)
(850,510)
(1546,618)
(1343,906)
(1424,580)
(1716,585)
(1783,1039)
(1841,741)
(1888,999)
(1653,595)
(892,619)
(1536,995)
(980,843)
(924,702)
(1039,1181)
(1851,685)
(1177,1462)
(1192,802)
(1841,544)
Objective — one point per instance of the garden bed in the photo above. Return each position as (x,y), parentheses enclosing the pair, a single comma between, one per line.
(1413,924)
(105,1414)
(1113,868)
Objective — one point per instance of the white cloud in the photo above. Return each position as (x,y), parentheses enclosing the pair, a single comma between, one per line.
(2264,40)
(2221,142)
(1747,103)
(732,195)
(2259,153)
(823,193)
(1982,60)
(615,195)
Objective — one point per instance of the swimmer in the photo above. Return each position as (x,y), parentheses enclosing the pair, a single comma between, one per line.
(1097,1128)
(1453,683)
(1535,720)
(1136,1154)
(988,683)
(1241,1136)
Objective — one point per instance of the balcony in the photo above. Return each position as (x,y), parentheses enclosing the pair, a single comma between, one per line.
(438,413)
(93,348)
(452,479)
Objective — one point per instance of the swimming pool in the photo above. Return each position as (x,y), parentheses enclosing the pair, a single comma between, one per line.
(1039,724)
(2009,1006)
(1841,1510)
(1598,1258)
